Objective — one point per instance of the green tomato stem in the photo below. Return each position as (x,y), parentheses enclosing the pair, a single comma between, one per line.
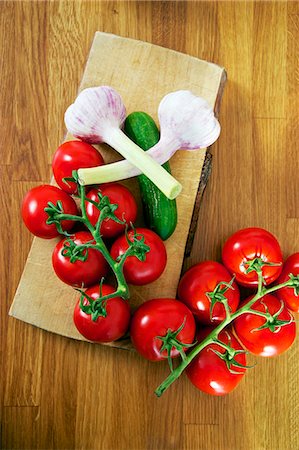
(227,309)
(128,252)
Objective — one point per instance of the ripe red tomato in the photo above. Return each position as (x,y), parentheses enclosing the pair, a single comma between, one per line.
(142,272)
(265,342)
(156,318)
(199,282)
(248,245)
(79,273)
(73,155)
(104,329)
(117,194)
(33,210)
(288,294)
(209,373)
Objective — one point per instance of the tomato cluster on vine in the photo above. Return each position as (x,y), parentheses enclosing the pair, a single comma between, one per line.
(227,325)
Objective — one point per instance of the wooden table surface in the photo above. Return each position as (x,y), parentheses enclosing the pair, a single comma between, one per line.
(62,394)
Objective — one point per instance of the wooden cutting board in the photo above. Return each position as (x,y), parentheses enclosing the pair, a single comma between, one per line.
(142,73)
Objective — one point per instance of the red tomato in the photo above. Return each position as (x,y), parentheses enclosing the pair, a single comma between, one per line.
(127,208)
(79,273)
(209,373)
(248,245)
(73,155)
(288,294)
(199,282)
(142,272)
(265,342)
(156,318)
(103,329)
(33,210)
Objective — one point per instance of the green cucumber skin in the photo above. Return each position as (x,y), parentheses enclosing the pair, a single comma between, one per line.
(160,213)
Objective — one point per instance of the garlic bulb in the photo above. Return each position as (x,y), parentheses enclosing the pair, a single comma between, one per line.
(187,119)
(94,112)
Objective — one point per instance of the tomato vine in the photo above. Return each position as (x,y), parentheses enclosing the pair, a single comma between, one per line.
(212,338)
(137,246)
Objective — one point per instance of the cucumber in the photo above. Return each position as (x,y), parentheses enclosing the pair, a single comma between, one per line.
(160,213)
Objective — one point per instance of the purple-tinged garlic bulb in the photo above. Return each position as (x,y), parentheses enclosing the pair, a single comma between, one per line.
(94,112)
(188,120)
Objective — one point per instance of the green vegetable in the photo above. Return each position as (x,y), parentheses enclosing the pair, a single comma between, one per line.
(160,213)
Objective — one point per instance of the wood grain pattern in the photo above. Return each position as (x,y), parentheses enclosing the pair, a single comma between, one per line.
(45,301)
(61,394)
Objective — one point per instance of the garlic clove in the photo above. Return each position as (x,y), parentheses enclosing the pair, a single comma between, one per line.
(188,119)
(94,112)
